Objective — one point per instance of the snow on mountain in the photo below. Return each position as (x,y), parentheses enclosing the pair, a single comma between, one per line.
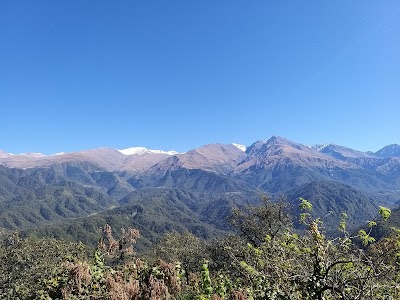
(142,150)
(241,147)
(30,154)
(320,147)
(58,154)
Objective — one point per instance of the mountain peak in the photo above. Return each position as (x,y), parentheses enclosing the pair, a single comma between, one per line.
(31,154)
(341,152)
(278,152)
(392,150)
(239,146)
(142,151)
(277,140)
(320,147)
(58,153)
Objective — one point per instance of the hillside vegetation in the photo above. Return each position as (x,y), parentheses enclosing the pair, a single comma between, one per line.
(266,259)
(206,229)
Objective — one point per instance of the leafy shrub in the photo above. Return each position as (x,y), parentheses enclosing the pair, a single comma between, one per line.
(284,264)
(25,263)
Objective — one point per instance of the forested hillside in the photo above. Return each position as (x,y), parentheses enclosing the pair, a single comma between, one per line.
(72,195)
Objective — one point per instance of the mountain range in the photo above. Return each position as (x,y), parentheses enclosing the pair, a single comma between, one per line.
(195,189)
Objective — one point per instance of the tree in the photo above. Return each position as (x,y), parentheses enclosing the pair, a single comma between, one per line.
(25,263)
(255,222)
(311,266)
(185,247)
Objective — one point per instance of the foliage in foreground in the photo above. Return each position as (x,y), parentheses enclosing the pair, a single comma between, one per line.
(284,264)
(26,263)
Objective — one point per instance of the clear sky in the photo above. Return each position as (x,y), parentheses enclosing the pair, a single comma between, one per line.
(175,74)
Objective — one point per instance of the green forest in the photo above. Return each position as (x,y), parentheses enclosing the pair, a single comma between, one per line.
(264,257)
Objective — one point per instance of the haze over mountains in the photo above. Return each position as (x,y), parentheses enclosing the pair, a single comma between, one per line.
(204,183)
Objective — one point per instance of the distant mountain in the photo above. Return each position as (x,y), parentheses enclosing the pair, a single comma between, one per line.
(391,167)
(142,150)
(140,163)
(239,146)
(134,160)
(215,158)
(279,151)
(340,152)
(378,162)
(202,184)
(102,158)
(278,165)
(389,151)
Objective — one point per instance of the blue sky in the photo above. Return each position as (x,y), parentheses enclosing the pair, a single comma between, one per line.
(167,75)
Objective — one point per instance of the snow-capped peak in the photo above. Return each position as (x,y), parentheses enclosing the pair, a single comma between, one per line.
(320,147)
(58,154)
(142,150)
(30,154)
(241,147)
